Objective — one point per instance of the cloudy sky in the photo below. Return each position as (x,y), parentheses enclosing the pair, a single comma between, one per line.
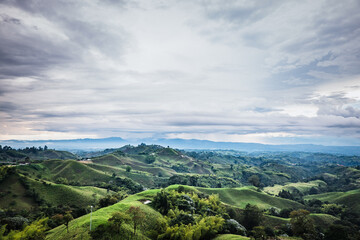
(243,71)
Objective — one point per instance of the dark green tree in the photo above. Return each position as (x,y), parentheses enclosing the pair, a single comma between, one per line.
(301,224)
(137,216)
(67,218)
(253,216)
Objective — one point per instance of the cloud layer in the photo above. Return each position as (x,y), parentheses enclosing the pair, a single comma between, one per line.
(274,72)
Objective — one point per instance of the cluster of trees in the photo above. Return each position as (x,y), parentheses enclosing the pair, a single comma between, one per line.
(121,184)
(111,199)
(203,181)
(191,216)
(122,225)
(36,230)
(23,150)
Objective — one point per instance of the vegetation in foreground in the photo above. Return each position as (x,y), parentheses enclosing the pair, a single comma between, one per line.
(230,195)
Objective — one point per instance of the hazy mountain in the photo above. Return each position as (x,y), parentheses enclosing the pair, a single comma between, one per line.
(116,142)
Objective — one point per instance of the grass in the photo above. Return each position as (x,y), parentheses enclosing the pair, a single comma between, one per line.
(230,237)
(323,221)
(72,170)
(59,194)
(273,221)
(13,194)
(303,187)
(349,199)
(240,197)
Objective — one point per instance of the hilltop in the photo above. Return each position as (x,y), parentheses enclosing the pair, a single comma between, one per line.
(10,155)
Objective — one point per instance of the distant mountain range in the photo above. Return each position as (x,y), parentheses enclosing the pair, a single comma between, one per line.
(89,144)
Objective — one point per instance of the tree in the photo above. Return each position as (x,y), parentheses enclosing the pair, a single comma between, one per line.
(137,216)
(117,219)
(113,229)
(301,223)
(259,233)
(35,231)
(254,180)
(67,218)
(253,216)
(150,159)
(128,168)
(337,231)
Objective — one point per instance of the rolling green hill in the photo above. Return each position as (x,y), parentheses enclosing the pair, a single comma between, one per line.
(237,197)
(13,194)
(13,155)
(303,187)
(59,194)
(349,199)
(79,227)
(240,197)
(17,192)
(73,171)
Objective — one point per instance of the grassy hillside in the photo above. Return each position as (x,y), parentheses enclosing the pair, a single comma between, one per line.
(71,170)
(59,194)
(349,199)
(240,197)
(80,226)
(13,194)
(230,237)
(303,187)
(323,221)
(12,155)
(237,197)
(18,193)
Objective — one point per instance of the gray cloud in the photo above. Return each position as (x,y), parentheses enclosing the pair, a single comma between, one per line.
(338,105)
(206,69)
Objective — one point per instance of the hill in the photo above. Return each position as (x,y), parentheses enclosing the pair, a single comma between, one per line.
(10,155)
(79,227)
(349,198)
(240,197)
(24,193)
(302,187)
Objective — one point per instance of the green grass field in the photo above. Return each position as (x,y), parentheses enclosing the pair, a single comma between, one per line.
(303,187)
(59,194)
(230,237)
(240,197)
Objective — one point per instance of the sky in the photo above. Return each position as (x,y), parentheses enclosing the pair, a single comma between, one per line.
(275,72)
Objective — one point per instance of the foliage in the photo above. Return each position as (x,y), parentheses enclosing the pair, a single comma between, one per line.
(253,216)
(203,181)
(150,159)
(206,228)
(232,226)
(111,199)
(301,223)
(137,216)
(67,218)
(254,180)
(258,233)
(34,231)
(114,228)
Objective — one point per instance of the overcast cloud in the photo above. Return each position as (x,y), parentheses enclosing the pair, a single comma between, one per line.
(243,71)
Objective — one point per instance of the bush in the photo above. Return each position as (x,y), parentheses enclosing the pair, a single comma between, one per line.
(232,226)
